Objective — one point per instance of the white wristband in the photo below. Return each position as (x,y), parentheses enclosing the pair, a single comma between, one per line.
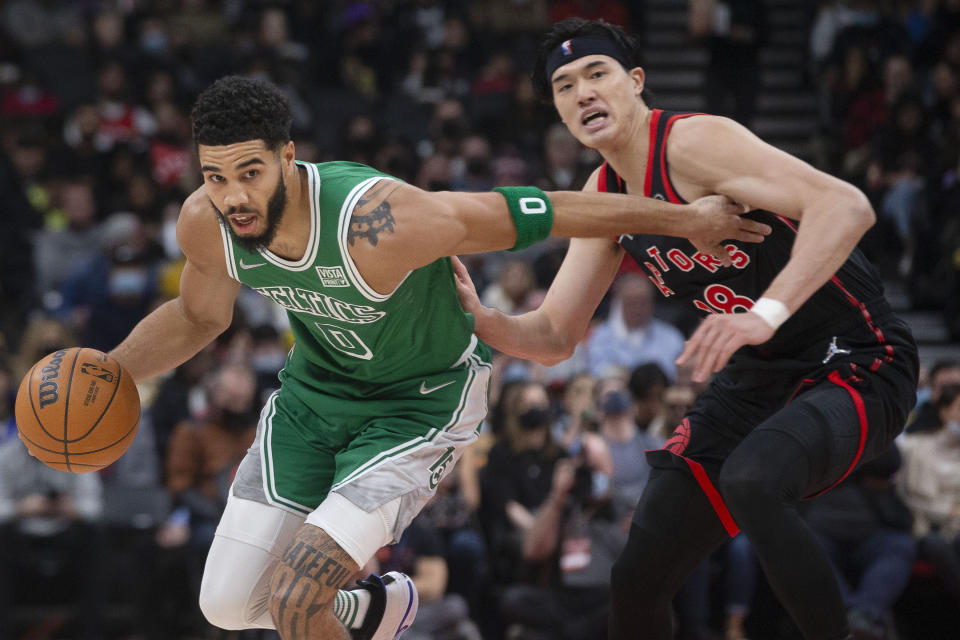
(773,312)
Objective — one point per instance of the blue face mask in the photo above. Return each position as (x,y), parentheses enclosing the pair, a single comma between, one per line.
(599,485)
(616,402)
(125,282)
(953,428)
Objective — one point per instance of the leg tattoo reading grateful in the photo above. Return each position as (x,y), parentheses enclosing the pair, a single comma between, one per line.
(313,569)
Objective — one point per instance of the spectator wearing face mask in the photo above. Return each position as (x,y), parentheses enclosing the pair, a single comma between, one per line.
(578,531)
(106,297)
(627,442)
(517,478)
(930,483)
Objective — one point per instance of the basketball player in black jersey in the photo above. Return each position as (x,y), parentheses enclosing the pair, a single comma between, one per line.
(814,373)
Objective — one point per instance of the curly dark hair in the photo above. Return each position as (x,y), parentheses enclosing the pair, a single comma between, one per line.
(575,28)
(237,109)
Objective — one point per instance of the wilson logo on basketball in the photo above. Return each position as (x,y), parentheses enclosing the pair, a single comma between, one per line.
(48,391)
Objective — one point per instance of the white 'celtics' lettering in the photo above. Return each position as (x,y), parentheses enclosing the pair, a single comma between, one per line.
(532,206)
(319,304)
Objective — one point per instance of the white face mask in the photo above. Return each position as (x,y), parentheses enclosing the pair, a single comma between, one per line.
(953,428)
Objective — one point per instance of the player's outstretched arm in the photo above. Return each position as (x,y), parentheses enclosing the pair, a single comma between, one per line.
(835,216)
(414,227)
(550,333)
(181,327)
(737,163)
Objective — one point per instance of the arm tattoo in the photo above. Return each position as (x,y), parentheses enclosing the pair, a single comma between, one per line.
(371,223)
(311,571)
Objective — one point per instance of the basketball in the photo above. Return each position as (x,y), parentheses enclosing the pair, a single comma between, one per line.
(77,410)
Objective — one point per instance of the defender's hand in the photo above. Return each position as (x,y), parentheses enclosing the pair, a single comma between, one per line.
(466,290)
(718,336)
(717,218)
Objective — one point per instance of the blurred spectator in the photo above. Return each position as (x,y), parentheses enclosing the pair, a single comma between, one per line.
(735,31)
(564,169)
(121,119)
(473,169)
(43,335)
(865,529)
(16,247)
(203,456)
(740,583)
(107,295)
(612,11)
(49,539)
(178,396)
(517,477)
(627,442)
(509,291)
(926,416)
(931,486)
(268,354)
(453,512)
(579,532)
(579,411)
(8,394)
(59,253)
(630,335)
(647,384)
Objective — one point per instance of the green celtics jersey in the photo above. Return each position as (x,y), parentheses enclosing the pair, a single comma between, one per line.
(346,333)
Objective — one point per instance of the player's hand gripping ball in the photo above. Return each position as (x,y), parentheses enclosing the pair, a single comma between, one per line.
(77,410)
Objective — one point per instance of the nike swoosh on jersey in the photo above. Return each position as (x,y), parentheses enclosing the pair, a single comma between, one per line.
(424,389)
(251,266)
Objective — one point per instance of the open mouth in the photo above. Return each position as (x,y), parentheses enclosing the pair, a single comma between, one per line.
(594,120)
(243,222)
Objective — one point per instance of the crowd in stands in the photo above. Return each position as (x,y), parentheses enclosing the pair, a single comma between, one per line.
(96,157)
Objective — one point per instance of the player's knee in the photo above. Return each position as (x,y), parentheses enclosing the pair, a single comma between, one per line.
(223,608)
(631,587)
(742,487)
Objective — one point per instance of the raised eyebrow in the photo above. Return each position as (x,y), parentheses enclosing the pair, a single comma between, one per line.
(242,165)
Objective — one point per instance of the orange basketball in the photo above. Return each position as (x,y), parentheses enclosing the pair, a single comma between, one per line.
(77,410)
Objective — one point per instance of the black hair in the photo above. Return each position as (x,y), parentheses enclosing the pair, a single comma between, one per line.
(644,378)
(237,109)
(575,28)
(943,365)
(949,393)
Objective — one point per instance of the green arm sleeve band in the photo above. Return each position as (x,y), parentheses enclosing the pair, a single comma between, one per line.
(532,214)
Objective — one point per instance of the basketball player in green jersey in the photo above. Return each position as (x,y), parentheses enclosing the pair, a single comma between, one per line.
(386,383)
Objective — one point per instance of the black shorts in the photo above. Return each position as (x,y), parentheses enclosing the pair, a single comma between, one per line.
(843,405)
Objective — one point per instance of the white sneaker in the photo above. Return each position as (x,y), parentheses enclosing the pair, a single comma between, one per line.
(393,606)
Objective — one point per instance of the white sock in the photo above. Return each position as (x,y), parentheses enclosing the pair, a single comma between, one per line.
(350,607)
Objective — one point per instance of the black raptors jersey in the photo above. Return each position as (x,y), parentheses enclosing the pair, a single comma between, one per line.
(851,299)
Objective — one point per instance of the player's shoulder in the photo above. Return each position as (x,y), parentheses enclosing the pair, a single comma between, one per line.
(198,227)
(695,131)
(345,170)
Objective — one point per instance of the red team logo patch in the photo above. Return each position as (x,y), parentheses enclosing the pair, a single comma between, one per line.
(678,442)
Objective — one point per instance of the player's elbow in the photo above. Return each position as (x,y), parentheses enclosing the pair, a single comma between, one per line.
(209,325)
(556,354)
(860,211)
